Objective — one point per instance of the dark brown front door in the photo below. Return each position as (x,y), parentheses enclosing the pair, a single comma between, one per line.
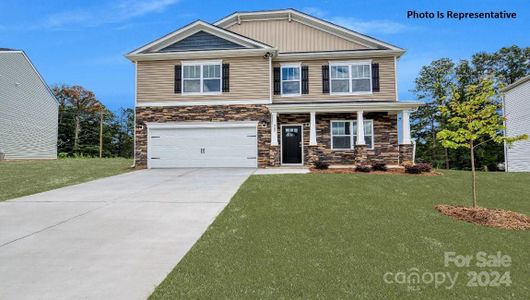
(292,144)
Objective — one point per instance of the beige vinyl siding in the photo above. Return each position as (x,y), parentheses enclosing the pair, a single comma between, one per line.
(386,81)
(293,36)
(249,80)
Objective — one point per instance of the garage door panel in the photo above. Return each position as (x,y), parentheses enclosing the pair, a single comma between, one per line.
(223,147)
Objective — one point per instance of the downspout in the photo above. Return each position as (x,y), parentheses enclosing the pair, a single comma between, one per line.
(504,132)
(270,78)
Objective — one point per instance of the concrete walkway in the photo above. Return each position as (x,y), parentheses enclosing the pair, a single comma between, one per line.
(113,238)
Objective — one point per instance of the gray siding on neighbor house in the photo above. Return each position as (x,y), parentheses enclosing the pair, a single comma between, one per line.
(201,41)
(28,111)
(517,110)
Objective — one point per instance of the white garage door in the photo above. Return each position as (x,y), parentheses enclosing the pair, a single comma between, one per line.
(202,145)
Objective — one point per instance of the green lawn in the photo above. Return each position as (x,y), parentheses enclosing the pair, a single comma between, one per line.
(335,236)
(20,178)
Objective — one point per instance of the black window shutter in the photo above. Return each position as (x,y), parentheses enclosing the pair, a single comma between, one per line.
(277,81)
(178,79)
(305,80)
(325,79)
(226,78)
(375,77)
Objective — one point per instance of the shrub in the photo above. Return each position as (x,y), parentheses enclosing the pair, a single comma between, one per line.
(321,165)
(493,167)
(424,167)
(413,169)
(379,167)
(363,168)
(63,155)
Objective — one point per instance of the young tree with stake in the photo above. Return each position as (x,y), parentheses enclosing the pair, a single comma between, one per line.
(474,121)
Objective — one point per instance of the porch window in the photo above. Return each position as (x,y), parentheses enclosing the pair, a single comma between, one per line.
(351,78)
(344,134)
(201,78)
(341,137)
(368,133)
(291,80)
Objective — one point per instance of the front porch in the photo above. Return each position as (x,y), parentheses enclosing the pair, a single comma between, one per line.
(340,133)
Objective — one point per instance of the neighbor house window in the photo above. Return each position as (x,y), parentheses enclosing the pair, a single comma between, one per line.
(291,80)
(201,78)
(344,134)
(351,78)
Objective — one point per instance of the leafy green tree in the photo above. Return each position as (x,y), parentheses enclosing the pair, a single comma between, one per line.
(433,86)
(436,81)
(506,65)
(473,119)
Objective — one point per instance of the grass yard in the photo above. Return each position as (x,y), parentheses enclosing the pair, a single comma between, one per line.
(21,178)
(335,236)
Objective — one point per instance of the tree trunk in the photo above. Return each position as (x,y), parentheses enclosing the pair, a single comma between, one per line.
(446,158)
(77,130)
(473,175)
(433,153)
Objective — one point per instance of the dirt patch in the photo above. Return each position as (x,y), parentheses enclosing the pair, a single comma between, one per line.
(388,172)
(487,217)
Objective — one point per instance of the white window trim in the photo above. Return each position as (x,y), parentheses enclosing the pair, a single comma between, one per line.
(203,63)
(350,64)
(353,135)
(291,65)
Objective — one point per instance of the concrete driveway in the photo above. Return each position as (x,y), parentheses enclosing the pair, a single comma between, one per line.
(113,238)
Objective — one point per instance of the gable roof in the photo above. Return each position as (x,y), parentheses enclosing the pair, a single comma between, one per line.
(165,43)
(201,40)
(4,51)
(295,15)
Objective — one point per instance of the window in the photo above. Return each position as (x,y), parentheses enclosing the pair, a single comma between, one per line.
(351,78)
(291,85)
(344,134)
(201,78)
(341,135)
(368,133)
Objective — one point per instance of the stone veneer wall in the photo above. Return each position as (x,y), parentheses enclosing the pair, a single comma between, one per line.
(405,153)
(385,127)
(204,113)
(385,150)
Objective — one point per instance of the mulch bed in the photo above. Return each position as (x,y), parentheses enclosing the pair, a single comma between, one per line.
(487,217)
(396,171)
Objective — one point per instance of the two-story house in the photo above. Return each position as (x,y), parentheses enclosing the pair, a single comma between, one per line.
(268,88)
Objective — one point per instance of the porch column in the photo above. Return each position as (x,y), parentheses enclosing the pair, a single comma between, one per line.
(405,125)
(274,129)
(360,129)
(312,129)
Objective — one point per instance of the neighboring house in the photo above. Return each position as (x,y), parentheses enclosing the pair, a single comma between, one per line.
(28,110)
(517,112)
(268,88)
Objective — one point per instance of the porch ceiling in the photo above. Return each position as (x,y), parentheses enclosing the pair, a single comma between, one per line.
(344,107)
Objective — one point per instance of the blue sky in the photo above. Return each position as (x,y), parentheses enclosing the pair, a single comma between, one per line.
(83,42)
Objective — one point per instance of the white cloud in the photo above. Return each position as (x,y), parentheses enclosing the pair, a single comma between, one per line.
(372,26)
(114,12)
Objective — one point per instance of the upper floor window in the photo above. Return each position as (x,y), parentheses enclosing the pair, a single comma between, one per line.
(201,77)
(351,77)
(291,80)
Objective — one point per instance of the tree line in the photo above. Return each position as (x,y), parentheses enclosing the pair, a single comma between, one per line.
(80,111)
(82,115)
(436,85)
